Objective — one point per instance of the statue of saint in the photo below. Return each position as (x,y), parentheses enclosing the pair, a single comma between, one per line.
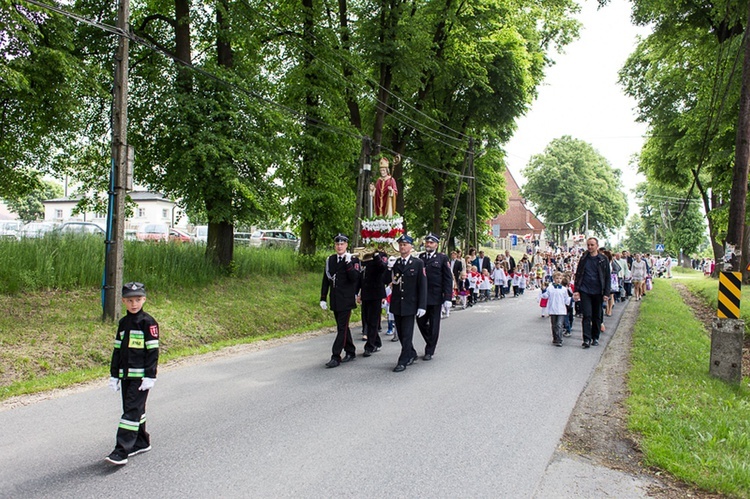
(384,191)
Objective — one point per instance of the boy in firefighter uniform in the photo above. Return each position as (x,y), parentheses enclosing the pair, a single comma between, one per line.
(133,371)
(342,278)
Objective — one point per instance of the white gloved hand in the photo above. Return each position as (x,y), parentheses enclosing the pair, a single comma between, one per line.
(347,257)
(146,384)
(323,305)
(448,304)
(391,261)
(421,312)
(114,384)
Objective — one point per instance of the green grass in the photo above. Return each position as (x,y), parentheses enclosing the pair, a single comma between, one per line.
(73,262)
(51,339)
(692,425)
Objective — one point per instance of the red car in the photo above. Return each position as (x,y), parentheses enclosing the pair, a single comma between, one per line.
(179,236)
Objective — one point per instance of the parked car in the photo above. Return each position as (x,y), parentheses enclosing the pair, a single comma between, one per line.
(37,229)
(9,229)
(178,236)
(274,239)
(242,238)
(153,232)
(201,234)
(81,228)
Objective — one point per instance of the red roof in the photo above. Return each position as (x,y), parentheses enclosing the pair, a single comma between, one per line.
(517,219)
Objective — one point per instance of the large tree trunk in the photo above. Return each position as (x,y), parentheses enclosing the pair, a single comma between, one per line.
(307,167)
(738,195)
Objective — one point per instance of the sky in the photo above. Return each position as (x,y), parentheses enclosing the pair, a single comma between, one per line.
(580,96)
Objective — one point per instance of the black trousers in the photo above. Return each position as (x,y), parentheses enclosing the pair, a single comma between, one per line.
(405,331)
(343,339)
(370,321)
(131,432)
(429,326)
(591,308)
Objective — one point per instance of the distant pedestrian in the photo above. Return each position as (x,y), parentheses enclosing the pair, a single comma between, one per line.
(341,277)
(133,372)
(592,287)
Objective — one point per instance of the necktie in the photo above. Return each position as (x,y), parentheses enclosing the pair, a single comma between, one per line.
(341,259)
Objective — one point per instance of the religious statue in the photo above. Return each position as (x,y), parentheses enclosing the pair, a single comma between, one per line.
(385,190)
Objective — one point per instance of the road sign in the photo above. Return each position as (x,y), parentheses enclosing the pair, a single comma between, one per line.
(730,286)
(660,247)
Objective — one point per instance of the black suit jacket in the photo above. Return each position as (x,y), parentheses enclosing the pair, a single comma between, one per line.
(342,280)
(439,278)
(372,287)
(409,290)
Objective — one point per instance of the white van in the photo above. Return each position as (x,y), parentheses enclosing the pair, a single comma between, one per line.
(201,234)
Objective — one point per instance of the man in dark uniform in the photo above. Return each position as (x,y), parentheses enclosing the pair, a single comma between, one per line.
(439,291)
(592,287)
(408,298)
(341,277)
(371,296)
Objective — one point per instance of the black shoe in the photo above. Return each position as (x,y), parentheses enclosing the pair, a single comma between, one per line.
(364,337)
(411,361)
(399,368)
(558,343)
(368,352)
(333,363)
(139,450)
(349,356)
(595,343)
(395,338)
(427,356)
(586,344)
(117,458)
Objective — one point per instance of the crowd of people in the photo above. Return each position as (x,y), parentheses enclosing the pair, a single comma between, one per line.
(422,288)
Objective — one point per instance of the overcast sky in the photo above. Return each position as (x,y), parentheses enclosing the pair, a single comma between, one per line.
(580,96)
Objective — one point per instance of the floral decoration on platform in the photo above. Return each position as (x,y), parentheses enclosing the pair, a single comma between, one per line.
(382,230)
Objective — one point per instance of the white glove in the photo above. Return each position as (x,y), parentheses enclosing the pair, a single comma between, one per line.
(114,384)
(421,312)
(391,261)
(323,305)
(146,384)
(448,304)
(347,257)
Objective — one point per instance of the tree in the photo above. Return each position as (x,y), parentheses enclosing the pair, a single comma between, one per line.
(30,207)
(637,237)
(570,178)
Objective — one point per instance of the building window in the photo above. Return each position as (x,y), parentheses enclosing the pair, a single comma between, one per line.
(141,212)
(165,213)
(99,214)
(58,214)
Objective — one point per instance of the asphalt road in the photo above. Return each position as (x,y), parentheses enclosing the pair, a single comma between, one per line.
(482,419)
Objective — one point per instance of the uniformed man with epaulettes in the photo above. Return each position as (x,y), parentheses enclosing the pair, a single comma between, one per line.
(408,298)
(439,293)
(342,278)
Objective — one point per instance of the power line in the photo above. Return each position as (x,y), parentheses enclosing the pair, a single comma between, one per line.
(405,120)
(146,43)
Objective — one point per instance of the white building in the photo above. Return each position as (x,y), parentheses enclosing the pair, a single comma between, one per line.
(150,207)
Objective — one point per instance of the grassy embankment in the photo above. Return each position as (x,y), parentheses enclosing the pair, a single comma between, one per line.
(52,335)
(692,425)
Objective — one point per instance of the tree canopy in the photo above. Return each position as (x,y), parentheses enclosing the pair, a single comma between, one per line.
(569,179)
(251,112)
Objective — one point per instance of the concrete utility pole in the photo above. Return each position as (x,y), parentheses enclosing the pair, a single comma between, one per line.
(119,177)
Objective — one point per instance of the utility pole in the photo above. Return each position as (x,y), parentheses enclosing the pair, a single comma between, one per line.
(469,153)
(112,291)
(363,186)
